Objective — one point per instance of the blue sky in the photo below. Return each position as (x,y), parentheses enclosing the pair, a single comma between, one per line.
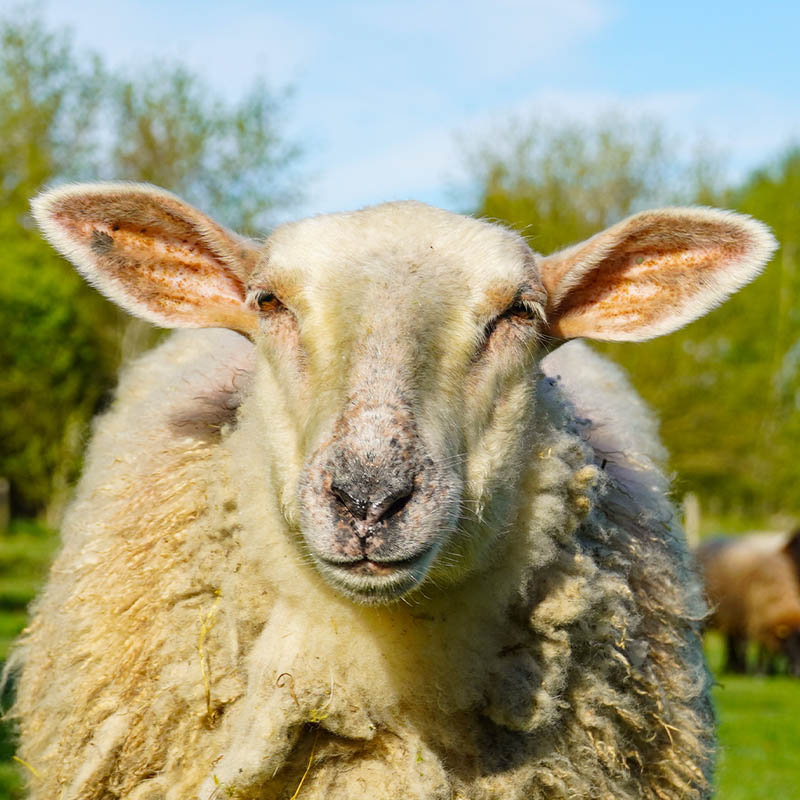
(384,91)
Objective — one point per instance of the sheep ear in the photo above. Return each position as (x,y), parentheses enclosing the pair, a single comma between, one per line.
(152,254)
(652,273)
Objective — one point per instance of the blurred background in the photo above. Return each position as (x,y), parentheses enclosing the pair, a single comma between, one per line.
(557,117)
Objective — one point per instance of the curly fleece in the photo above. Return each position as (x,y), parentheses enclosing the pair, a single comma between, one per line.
(183,648)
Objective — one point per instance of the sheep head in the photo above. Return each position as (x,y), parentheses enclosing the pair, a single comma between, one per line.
(397,349)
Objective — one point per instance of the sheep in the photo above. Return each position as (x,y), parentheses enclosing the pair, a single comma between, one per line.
(753,586)
(362,539)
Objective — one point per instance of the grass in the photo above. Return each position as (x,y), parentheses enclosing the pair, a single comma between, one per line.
(759,729)
(759,717)
(759,733)
(25,552)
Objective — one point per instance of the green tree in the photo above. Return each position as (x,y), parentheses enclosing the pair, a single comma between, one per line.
(727,387)
(64,116)
(57,349)
(228,157)
(766,322)
(559,183)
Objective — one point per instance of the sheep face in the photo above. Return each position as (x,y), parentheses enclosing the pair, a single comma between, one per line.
(412,359)
(396,351)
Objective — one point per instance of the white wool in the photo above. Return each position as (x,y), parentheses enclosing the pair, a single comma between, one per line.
(320,658)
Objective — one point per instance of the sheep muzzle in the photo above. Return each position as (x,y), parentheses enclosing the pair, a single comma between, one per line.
(375,505)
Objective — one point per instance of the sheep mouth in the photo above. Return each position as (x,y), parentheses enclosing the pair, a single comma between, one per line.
(368,566)
(374,582)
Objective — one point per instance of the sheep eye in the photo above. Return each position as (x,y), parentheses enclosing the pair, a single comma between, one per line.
(267,302)
(521,311)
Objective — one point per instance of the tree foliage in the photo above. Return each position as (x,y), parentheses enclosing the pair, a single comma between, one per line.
(765,330)
(560,183)
(65,116)
(227,157)
(57,351)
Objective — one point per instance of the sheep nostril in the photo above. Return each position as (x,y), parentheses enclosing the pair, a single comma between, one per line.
(391,504)
(375,508)
(357,506)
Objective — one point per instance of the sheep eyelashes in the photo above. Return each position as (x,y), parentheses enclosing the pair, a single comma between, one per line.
(406,515)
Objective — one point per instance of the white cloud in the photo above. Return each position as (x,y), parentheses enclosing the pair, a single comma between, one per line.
(232,41)
(488,41)
(412,169)
(381,85)
(228,43)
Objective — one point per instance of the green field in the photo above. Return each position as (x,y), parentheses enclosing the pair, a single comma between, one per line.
(759,717)
(759,734)
(25,551)
(759,738)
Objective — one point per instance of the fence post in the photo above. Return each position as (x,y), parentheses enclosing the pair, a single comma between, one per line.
(5,503)
(691,519)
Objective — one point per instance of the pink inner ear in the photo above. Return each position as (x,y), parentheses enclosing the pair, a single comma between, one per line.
(652,273)
(642,293)
(178,279)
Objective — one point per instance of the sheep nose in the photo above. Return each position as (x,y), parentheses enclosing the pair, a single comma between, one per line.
(372,506)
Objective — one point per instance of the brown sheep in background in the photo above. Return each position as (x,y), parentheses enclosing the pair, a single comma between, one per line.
(753,587)
(792,549)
